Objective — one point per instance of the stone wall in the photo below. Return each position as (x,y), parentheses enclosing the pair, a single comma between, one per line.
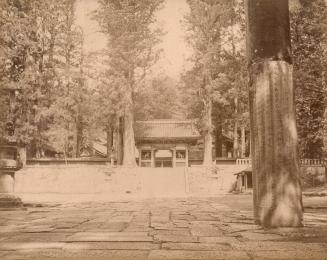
(132,182)
(213,181)
(76,179)
(313,176)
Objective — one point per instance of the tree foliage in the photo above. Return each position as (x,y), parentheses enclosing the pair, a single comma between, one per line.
(216,83)
(131,51)
(41,64)
(309,24)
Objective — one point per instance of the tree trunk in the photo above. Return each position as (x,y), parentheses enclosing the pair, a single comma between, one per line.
(277,192)
(243,144)
(207,158)
(129,141)
(79,135)
(120,141)
(109,142)
(219,141)
(235,142)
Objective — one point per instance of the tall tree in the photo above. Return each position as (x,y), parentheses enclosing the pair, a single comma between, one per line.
(159,100)
(69,107)
(131,51)
(108,107)
(277,191)
(217,38)
(308,24)
(204,24)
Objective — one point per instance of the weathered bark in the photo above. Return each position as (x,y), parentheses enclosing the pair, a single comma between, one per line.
(110,141)
(129,141)
(277,191)
(243,144)
(219,141)
(22,154)
(207,158)
(120,141)
(79,135)
(235,141)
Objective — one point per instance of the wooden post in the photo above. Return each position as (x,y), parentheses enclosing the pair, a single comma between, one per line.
(152,158)
(186,156)
(243,145)
(109,142)
(120,141)
(219,141)
(277,192)
(174,157)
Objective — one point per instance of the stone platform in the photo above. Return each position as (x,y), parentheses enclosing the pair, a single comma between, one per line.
(171,228)
(118,182)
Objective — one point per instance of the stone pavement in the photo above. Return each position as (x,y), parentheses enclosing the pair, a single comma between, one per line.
(187,228)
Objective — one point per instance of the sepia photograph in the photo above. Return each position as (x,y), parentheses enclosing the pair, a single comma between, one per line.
(163,129)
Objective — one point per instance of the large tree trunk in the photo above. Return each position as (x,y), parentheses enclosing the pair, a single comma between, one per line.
(235,141)
(207,158)
(109,142)
(277,191)
(129,141)
(243,144)
(79,135)
(120,141)
(219,141)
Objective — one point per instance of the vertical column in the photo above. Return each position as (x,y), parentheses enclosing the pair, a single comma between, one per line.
(140,157)
(276,192)
(186,156)
(6,182)
(174,157)
(152,158)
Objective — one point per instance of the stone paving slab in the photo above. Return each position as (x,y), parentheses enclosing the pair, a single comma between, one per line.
(111,246)
(175,238)
(107,237)
(196,246)
(294,255)
(78,255)
(188,228)
(37,237)
(260,236)
(10,246)
(197,255)
(281,246)
(219,240)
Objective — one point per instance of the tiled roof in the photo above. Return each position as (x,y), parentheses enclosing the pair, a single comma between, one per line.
(170,129)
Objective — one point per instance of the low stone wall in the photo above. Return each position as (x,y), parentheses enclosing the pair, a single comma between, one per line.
(313,176)
(213,181)
(76,179)
(119,181)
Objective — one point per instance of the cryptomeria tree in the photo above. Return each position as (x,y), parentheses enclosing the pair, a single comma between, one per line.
(309,24)
(23,45)
(131,52)
(160,99)
(277,191)
(204,24)
(216,33)
(38,49)
(70,92)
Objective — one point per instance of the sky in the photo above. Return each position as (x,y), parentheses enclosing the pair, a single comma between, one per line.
(175,50)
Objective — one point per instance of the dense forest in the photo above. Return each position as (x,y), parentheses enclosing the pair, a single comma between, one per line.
(55,95)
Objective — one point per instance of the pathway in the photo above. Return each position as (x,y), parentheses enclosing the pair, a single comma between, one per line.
(186,228)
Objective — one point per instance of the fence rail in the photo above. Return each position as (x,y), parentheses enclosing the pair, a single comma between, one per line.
(103,161)
(304,162)
(69,161)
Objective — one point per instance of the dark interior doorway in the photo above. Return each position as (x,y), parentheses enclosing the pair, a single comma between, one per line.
(163,159)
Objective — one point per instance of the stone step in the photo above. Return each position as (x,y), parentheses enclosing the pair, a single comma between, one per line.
(10,202)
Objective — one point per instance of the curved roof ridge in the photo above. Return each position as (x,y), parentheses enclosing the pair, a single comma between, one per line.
(166,121)
(166,129)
